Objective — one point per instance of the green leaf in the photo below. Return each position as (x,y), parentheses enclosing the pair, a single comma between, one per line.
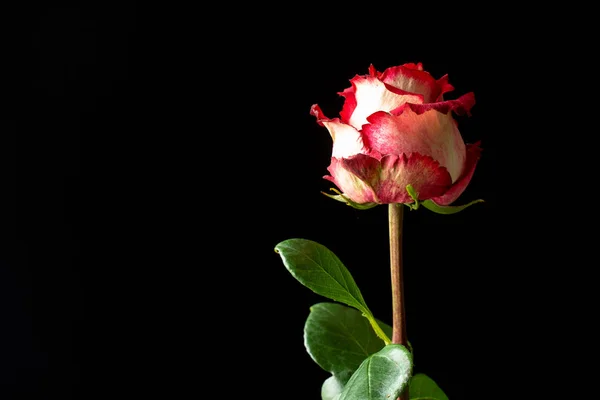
(320,270)
(339,339)
(332,388)
(317,268)
(382,376)
(432,206)
(422,387)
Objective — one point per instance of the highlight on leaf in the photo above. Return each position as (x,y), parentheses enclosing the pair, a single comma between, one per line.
(382,376)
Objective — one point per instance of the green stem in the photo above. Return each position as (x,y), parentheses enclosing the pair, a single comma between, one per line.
(378,330)
(395,212)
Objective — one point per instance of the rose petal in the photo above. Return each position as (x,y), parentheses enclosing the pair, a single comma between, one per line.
(367,95)
(426,176)
(316,111)
(386,180)
(347,141)
(430,134)
(473,154)
(353,187)
(412,80)
(417,66)
(445,87)
(460,106)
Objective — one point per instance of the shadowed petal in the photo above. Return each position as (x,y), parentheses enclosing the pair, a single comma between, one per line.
(353,186)
(473,154)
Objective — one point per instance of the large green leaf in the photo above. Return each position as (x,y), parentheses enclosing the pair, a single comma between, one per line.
(422,387)
(382,376)
(339,339)
(320,270)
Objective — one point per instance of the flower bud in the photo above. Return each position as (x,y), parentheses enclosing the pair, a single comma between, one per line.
(395,130)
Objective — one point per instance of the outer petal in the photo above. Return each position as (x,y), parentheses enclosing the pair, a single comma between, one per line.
(316,111)
(367,95)
(347,141)
(412,80)
(430,134)
(417,66)
(422,172)
(386,180)
(354,187)
(445,87)
(460,106)
(473,154)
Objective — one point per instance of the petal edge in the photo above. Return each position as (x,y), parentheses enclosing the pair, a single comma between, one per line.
(473,154)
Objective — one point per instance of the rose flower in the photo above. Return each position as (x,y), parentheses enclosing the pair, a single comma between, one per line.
(396,140)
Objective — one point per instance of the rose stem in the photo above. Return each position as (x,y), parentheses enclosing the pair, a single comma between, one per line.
(395,212)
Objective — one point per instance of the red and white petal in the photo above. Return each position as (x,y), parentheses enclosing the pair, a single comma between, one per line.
(430,134)
(316,111)
(444,86)
(417,66)
(353,187)
(412,80)
(390,176)
(460,106)
(473,154)
(426,176)
(367,95)
(347,141)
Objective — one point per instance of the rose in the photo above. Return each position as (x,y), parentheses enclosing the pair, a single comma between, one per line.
(396,140)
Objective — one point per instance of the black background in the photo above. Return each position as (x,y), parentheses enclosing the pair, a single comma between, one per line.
(153,160)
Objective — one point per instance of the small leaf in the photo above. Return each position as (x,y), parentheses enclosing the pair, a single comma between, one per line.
(339,339)
(320,270)
(422,387)
(432,206)
(382,376)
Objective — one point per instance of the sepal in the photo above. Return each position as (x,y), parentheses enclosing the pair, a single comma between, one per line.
(340,197)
